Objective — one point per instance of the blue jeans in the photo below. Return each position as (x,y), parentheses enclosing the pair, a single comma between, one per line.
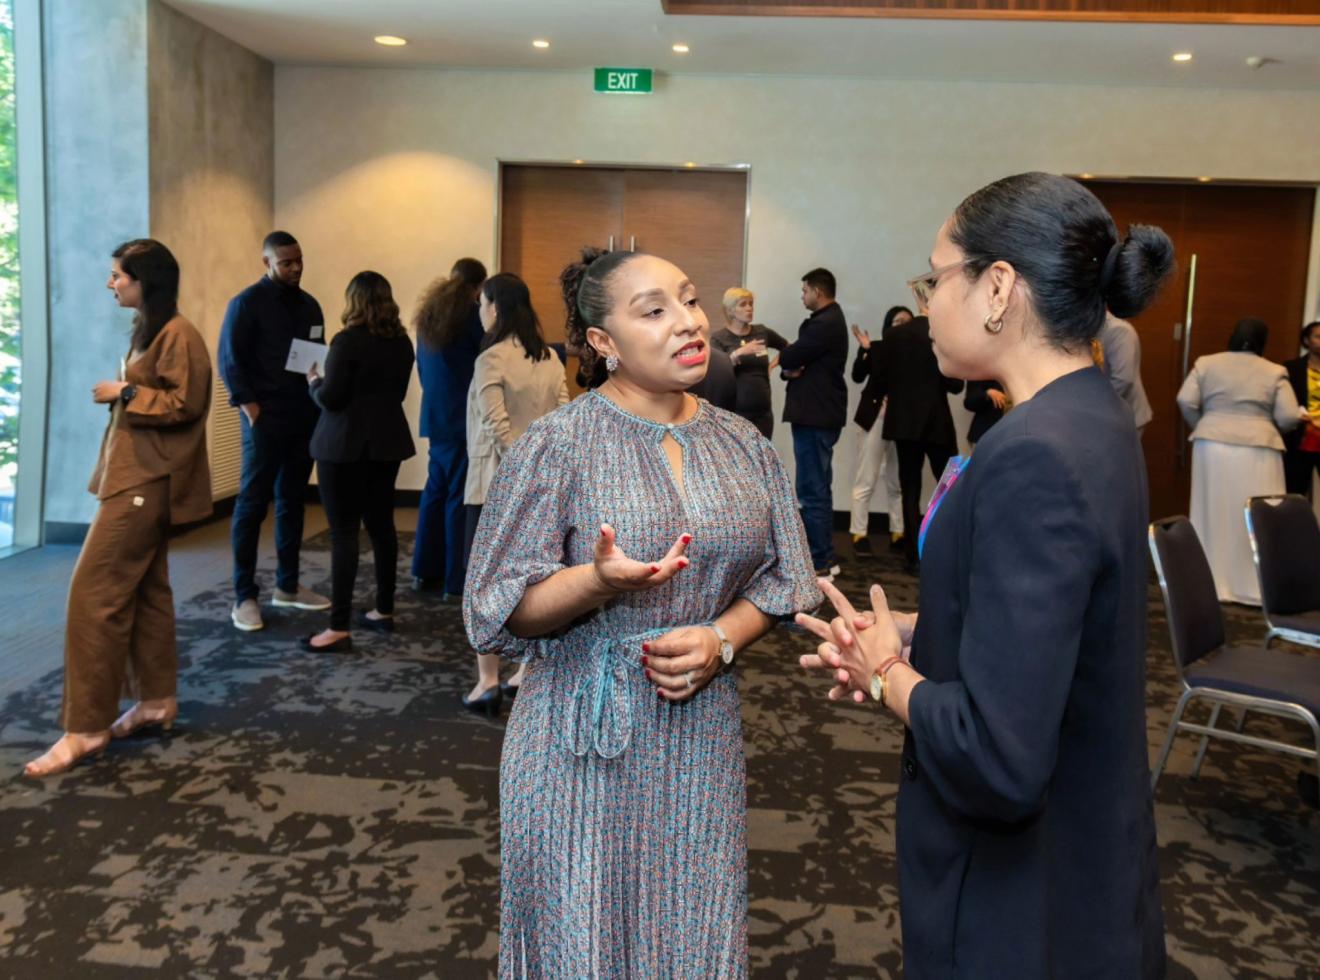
(441,519)
(813,451)
(276,465)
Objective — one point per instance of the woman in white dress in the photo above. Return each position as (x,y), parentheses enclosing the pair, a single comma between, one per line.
(1235,403)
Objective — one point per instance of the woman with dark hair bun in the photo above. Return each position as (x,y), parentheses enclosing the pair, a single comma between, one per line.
(448,341)
(360,440)
(152,472)
(1026,836)
(630,544)
(1236,402)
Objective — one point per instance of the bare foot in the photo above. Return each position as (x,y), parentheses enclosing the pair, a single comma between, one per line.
(63,754)
(161,711)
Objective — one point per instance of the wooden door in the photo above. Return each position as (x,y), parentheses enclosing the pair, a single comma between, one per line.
(694,218)
(1251,246)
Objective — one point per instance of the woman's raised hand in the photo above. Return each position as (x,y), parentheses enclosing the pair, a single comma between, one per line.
(855,645)
(619,573)
(863,338)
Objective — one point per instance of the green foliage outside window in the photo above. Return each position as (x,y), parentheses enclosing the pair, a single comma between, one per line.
(9,295)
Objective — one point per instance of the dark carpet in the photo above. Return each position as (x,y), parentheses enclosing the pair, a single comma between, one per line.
(318,815)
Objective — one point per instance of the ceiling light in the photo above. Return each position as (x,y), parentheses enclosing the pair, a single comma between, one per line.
(1087,176)
(1205,180)
(390,41)
(681,49)
(577,161)
(689,164)
(540,43)
(1182,57)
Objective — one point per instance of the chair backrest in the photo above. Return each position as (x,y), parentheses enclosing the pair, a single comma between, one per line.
(1285,540)
(1196,623)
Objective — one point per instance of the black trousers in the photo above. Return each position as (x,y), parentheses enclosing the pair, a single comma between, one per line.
(910,456)
(355,494)
(1297,469)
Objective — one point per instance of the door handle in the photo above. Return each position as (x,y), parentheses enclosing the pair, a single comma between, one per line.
(610,247)
(632,243)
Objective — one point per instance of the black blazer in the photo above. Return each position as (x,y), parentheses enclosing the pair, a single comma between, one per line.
(903,367)
(361,397)
(820,397)
(1297,378)
(984,413)
(1026,836)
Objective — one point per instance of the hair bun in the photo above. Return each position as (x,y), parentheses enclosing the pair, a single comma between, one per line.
(1145,260)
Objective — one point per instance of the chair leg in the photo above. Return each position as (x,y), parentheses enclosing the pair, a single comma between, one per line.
(1242,721)
(1168,739)
(1205,741)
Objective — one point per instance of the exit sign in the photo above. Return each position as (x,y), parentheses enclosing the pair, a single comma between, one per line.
(623,81)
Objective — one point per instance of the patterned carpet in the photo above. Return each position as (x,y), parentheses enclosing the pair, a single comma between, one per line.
(336,815)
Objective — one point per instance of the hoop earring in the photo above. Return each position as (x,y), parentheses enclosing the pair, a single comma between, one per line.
(993,326)
(611,363)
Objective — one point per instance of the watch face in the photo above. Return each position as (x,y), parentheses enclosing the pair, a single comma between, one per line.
(726,652)
(877,687)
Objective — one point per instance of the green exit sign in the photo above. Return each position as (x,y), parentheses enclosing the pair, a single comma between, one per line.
(623,81)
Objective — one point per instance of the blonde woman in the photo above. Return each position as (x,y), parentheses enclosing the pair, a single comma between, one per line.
(745,342)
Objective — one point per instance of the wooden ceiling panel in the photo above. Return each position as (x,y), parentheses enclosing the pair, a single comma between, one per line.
(1148,11)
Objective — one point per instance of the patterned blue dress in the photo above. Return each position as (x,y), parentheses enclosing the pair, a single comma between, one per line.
(623,817)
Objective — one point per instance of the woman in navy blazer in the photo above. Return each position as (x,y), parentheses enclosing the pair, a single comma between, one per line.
(1026,836)
(359,442)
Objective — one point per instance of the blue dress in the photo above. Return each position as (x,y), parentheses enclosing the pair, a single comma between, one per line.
(623,817)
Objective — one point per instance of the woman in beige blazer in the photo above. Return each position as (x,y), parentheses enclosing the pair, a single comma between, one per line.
(518,379)
(152,472)
(1235,403)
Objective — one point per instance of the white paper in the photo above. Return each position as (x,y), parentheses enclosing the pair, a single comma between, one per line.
(303,354)
(316,332)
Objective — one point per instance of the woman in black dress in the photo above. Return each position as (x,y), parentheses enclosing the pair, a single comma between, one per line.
(746,342)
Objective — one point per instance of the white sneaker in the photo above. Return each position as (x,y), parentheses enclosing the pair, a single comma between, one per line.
(302,599)
(246,615)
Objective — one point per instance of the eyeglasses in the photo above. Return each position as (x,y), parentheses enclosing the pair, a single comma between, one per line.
(923,286)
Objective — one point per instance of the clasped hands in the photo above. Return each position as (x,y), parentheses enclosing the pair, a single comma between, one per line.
(681,662)
(855,645)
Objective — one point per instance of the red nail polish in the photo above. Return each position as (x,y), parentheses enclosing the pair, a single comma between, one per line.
(687,539)
(650,676)
(654,569)
(644,661)
(646,648)
(660,695)
(682,563)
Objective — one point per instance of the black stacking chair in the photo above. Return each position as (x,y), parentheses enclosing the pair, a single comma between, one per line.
(1285,542)
(1251,678)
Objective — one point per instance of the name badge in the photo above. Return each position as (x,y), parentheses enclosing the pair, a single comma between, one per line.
(317,332)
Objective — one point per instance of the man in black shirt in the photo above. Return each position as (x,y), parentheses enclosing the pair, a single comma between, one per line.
(278,416)
(816,406)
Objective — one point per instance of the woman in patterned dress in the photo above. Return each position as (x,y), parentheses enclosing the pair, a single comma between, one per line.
(632,542)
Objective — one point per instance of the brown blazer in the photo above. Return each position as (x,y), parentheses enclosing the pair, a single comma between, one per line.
(162,431)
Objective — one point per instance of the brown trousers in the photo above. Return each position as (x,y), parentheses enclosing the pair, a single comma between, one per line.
(119,637)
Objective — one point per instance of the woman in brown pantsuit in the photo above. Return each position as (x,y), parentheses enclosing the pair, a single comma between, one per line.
(152,473)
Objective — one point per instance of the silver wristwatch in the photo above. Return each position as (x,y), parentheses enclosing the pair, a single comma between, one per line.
(726,648)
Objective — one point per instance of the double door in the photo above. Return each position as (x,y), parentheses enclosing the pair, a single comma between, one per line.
(694,218)
(1242,251)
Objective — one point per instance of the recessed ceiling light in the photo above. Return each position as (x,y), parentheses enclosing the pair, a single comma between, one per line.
(540,43)
(1087,176)
(1182,57)
(577,161)
(390,41)
(681,49)
(1205,180)
(689,164)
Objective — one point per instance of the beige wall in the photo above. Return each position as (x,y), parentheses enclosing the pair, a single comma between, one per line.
(396,170)
(211,119)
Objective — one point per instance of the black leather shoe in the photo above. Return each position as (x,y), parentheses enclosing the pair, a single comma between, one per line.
(862,547)
(487,704)
(342,645)
(385,625)
(510,691)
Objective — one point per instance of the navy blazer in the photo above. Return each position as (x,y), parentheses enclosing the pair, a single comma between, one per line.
(1026,836)
(904,370)
(819,397)
(446,374)
(365,382)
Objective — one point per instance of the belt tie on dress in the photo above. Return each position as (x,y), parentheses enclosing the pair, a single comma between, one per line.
(607,727)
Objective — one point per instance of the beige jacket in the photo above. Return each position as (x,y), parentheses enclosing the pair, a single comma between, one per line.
(162,431)
(1238,398)
(509,392)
